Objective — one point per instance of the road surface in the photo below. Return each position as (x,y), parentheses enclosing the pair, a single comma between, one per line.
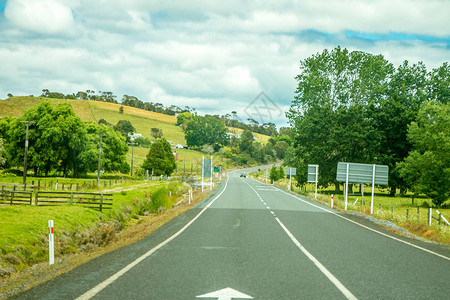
(250,240)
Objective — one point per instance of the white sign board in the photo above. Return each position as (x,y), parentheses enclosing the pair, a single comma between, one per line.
(313,173)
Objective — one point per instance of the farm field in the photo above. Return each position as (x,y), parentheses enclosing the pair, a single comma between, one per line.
(16,106)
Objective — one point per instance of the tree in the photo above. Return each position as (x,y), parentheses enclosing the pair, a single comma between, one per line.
(407,90)
(332,116)
(160,158)
(156,133)
(280,148)
(184,117)
(2,154)
(121,109)
(205,130)
(124,127)
(246,142)
(114,149)
(427,167)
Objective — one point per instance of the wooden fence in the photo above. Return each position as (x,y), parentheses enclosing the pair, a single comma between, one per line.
(92,200)
(16,197)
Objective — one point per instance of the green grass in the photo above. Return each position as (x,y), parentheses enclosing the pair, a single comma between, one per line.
(23,229)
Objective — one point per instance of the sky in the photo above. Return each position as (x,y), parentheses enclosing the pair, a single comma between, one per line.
(214,56)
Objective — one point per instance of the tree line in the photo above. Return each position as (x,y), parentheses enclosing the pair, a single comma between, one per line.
(127,100)
(357,107)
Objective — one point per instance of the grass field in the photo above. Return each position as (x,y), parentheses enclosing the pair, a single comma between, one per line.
(142,124)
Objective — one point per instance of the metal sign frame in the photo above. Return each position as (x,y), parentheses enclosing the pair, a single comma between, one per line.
(362,173)
(313,176)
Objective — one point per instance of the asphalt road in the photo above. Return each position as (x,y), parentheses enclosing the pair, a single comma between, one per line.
(252,240)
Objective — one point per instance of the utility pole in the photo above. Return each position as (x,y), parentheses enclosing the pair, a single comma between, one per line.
(132,155)
(27,123)
(99,159)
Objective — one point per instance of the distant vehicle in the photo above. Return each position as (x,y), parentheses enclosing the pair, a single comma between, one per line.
(179,146)
(243,175)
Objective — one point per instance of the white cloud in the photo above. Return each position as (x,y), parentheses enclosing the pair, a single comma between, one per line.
(216,57)
(41,16)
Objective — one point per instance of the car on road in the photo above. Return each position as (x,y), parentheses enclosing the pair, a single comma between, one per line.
(243,175)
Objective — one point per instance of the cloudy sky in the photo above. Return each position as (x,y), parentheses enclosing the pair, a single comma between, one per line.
(216,56)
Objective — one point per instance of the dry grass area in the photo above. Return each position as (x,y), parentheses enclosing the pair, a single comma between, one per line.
(135,111)
(16,106)
(259,137)
(135,230)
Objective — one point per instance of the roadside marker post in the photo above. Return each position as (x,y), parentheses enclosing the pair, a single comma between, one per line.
(331,201)
(51,243)
(203,161)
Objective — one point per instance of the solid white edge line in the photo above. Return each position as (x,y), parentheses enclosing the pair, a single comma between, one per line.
(368,228)
(95,290)
(316,262)
(321,267)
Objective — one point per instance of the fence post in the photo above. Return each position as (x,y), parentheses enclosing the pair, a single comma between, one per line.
(70,188)
(36,198)
(31,198)
(71,198)
(39,184)
(418,214)
(392,213)
(63,186)
(407,214)
(429,216)
(12,196)
(439,220)
(77,186)
(101,202)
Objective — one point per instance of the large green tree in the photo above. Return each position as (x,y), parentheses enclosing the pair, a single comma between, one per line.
(160,158)
(205,130)
(407,90)
(427,167)
(332,116)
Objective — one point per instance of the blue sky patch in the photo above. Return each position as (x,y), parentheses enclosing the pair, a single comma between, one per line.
(396,36)
(2,5)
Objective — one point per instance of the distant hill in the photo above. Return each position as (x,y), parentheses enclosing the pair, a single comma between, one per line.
(88,110)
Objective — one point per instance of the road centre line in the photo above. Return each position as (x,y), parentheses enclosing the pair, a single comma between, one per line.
(319,265)
(366,227)
(98,288)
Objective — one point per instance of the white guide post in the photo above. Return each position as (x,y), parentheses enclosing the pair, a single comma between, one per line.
(290,176)
(317,179)
(373,189)
(346,186)
(51,244)
(331,204)
(203,162)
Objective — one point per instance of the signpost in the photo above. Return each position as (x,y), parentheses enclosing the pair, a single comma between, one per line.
(362,173)
(290,172)
(207,170)
(313,176)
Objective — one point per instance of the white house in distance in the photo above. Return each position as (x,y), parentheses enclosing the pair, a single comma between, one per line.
(134,136)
